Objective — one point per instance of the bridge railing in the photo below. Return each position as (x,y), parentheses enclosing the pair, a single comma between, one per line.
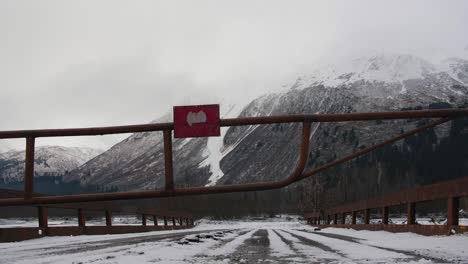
(169,190)
(170,220)
(451,191)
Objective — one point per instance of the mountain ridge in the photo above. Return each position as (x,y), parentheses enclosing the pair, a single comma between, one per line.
(259,153)
(49,161)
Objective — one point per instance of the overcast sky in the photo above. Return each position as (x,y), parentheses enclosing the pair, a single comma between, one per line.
(99,63)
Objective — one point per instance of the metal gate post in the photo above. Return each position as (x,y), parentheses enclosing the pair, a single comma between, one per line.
(29,168)
(168,167)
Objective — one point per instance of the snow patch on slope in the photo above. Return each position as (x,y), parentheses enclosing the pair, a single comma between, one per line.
(457,69)
(215,151)
(214,155)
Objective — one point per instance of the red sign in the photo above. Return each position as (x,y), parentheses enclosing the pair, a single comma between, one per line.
(196,121)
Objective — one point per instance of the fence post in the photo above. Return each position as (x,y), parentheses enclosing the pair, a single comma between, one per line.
(366,216)
(143,219)
(452,211)
(411,214)
(108,218)
(353,218)
(385,215)
(81,218)
(165,220)
(155,220)
(42,215)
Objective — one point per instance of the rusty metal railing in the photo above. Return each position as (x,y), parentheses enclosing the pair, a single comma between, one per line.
(451,191)
(170,220)
(445,115)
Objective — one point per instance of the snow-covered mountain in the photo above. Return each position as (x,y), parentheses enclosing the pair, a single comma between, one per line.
(137,162)
(49,161)
(255,153)
(4,147)
(395,69)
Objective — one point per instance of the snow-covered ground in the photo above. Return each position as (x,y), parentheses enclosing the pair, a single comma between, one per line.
(278,240)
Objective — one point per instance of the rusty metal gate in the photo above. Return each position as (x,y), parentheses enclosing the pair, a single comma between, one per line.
(167,129)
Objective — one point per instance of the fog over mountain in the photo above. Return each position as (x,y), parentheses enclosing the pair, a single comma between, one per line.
(66,64)
(381,82)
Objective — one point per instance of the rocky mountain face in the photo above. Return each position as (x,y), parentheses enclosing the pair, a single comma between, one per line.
(269,152)
(49,161)
(138,162)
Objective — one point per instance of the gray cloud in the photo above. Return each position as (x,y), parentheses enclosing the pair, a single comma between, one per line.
(93,63)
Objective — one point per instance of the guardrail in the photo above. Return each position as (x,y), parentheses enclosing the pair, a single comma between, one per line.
(451,190)
(169,190)
(170,221)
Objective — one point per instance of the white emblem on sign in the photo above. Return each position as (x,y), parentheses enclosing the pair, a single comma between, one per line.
(196,118)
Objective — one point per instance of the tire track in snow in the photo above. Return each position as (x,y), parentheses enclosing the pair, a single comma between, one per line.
(164,250)
(255,249)
(417,257)
(310,250)
(121,242)
(298,256)
(354,250)
(224,242)
(278,246)
(51,251)
(231,246)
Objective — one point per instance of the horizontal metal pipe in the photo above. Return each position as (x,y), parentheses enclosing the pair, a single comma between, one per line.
(141,194)
(91,131)
(94,131)
(345,117)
